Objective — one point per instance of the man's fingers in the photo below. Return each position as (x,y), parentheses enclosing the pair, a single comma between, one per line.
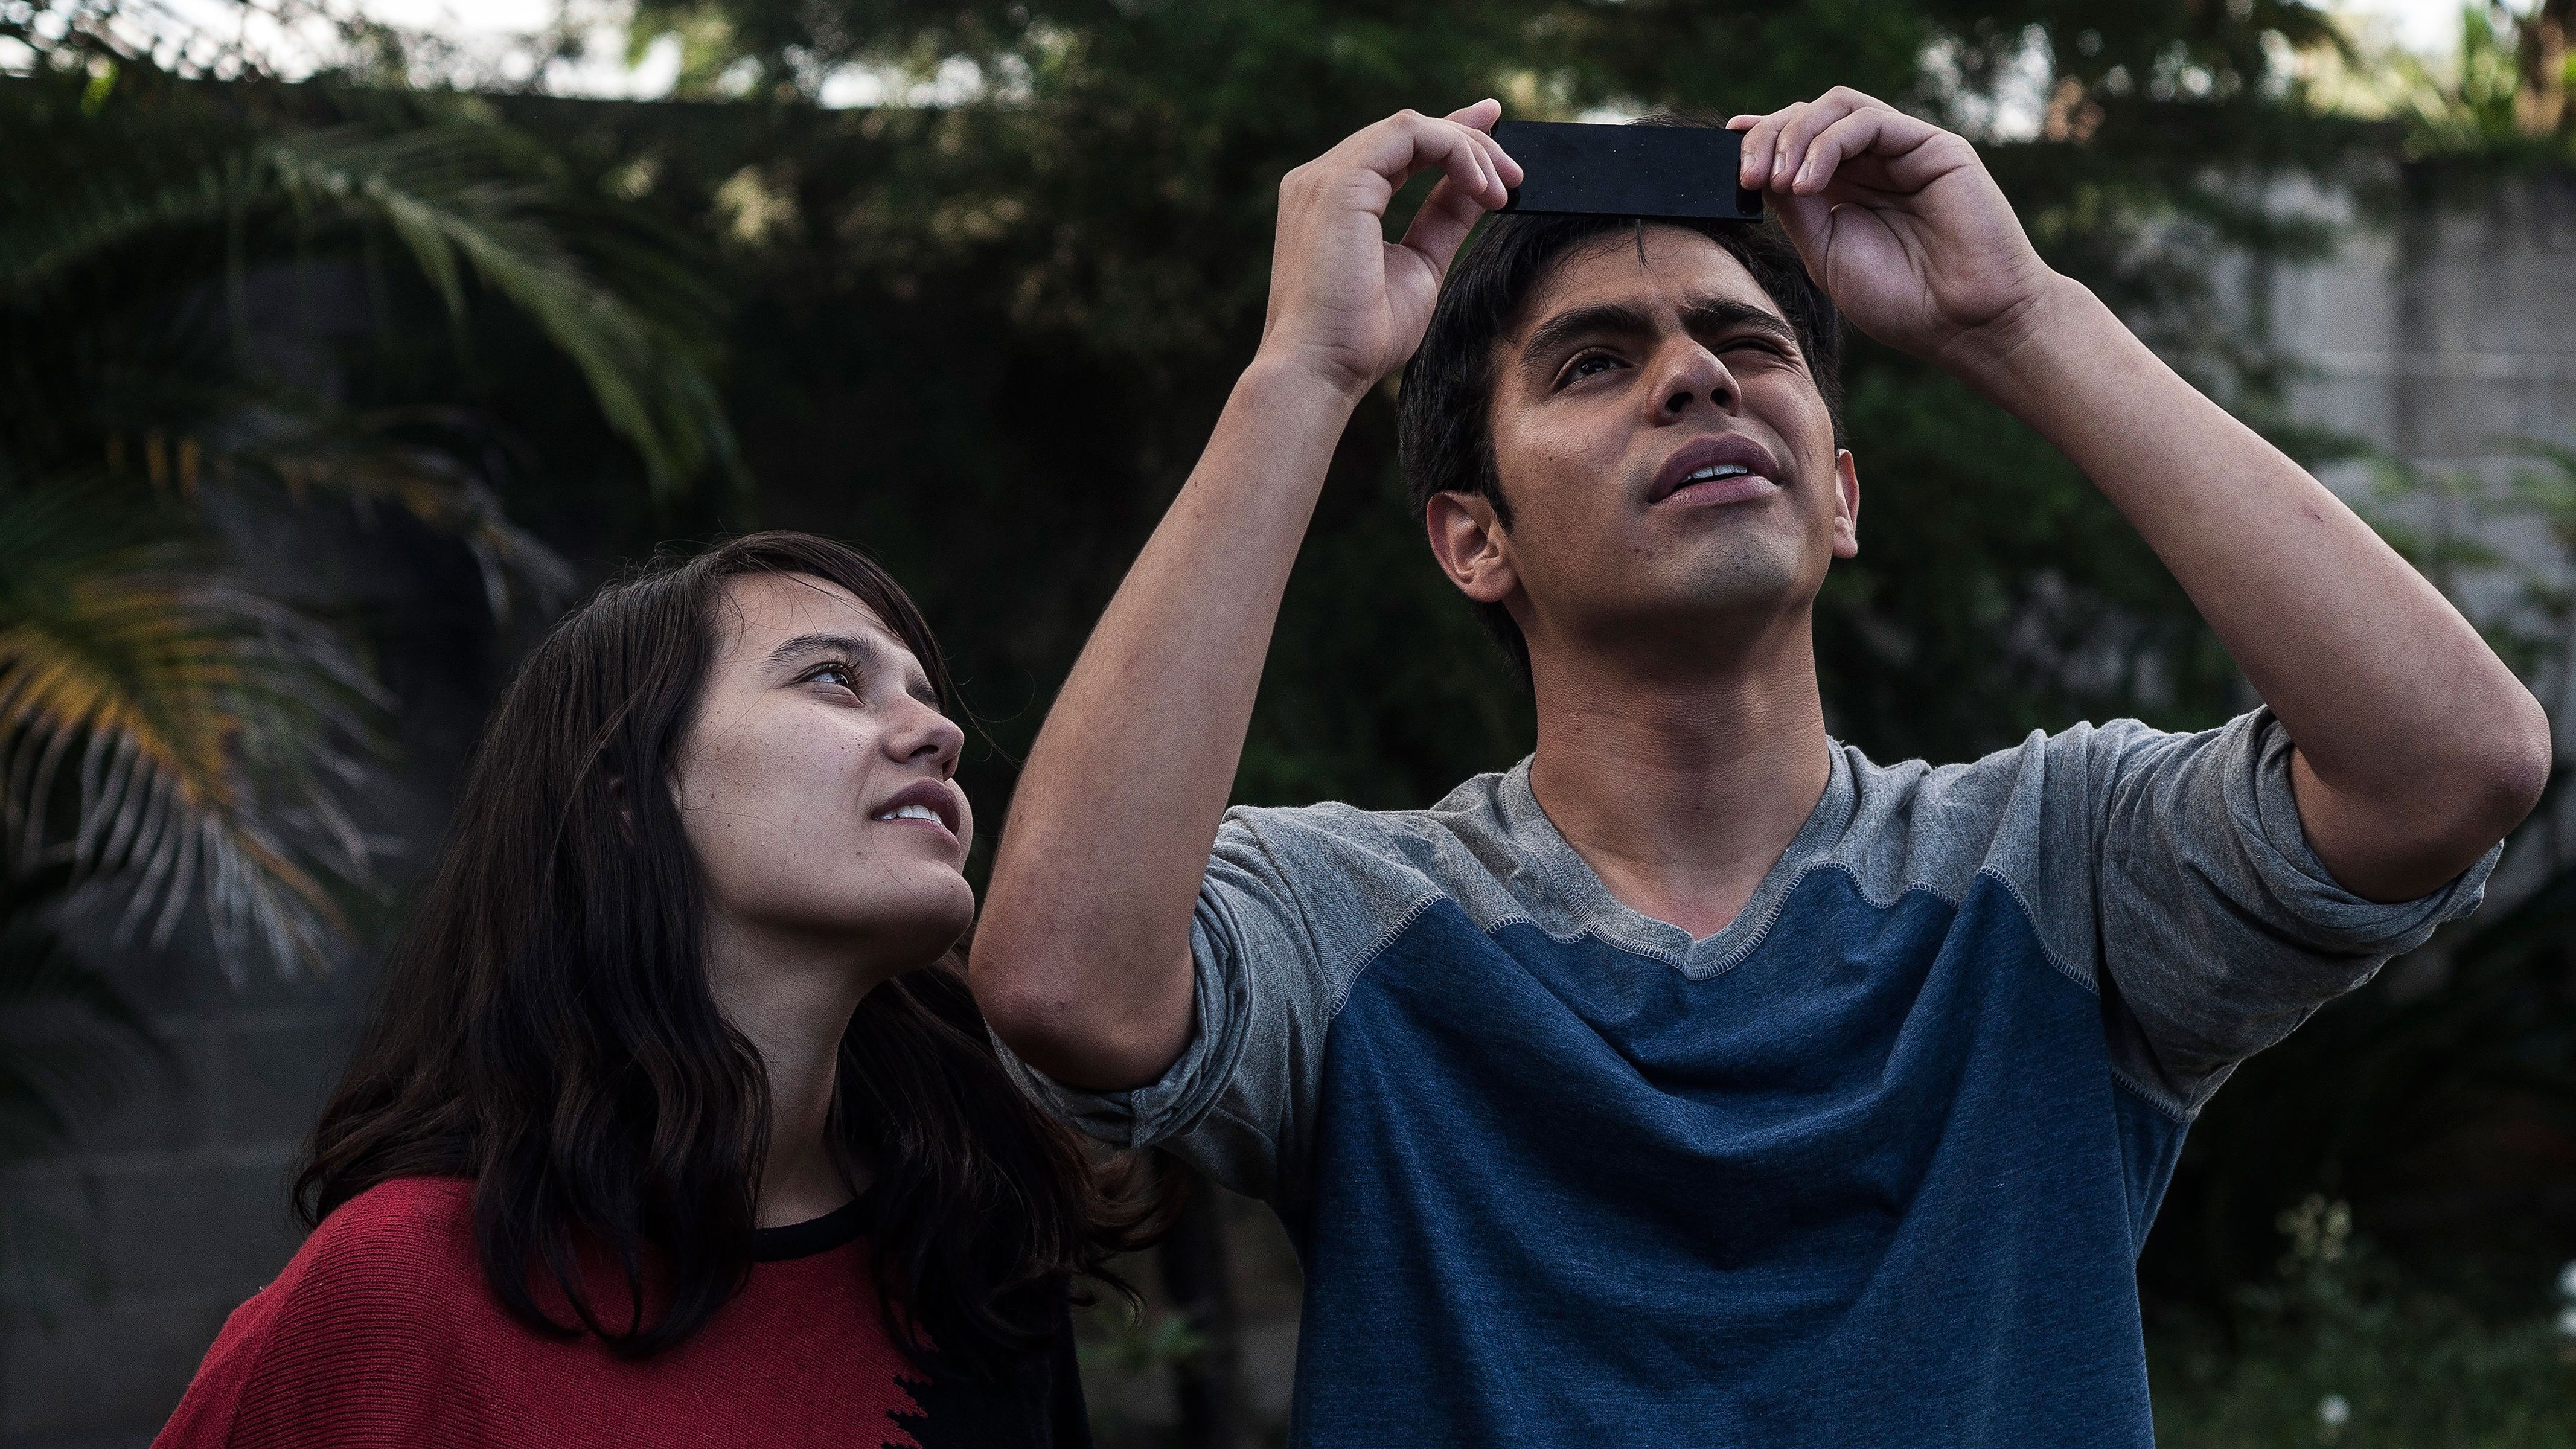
(1408,143)
(1846,138)
(1790,151)
(1777,146)
(1480,118)
(1762,144)
(1893,143)
(1447,215)
(1480,115)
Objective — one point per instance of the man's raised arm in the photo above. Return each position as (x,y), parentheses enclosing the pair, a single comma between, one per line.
(2416,748)
(1082,960)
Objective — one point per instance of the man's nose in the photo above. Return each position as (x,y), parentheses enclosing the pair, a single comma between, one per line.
(1693,373)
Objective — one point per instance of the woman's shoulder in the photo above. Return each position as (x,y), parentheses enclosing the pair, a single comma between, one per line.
(403,1242)
(358,1319)
(402,1219)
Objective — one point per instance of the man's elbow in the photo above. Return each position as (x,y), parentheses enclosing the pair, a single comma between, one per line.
(2497,781)
(1056,1029)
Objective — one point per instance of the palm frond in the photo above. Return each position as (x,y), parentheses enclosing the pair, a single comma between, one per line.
(461,198)
(438,191)
(166,729)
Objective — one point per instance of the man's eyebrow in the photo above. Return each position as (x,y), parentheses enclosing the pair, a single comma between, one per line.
(1597,320)
(1699,314)
(864,650)
(1722,314)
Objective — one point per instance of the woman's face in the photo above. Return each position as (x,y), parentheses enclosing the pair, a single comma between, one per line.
(814,782)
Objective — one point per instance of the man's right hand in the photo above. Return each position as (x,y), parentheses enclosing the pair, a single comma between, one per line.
(1346,305)
(1082,962)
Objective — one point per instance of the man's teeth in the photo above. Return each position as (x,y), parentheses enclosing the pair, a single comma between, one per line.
(911,812)
(1718,470)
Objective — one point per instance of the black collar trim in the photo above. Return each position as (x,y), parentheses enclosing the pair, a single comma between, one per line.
(844,1224)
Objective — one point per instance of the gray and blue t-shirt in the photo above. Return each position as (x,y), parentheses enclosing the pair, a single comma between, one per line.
(1871,1166)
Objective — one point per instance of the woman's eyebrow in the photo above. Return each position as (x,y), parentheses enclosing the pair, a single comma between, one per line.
(864,651)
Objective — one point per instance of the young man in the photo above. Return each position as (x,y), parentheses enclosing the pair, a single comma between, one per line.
(1698,1081)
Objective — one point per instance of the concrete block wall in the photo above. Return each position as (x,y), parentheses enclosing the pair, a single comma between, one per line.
(2443,338)
(180,1199)
(178,1196)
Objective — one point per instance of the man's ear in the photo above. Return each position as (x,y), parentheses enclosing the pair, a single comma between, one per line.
(1473,547)
(1846,504)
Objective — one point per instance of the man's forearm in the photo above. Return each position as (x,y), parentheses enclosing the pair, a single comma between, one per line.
(1082,958)
(2417,747)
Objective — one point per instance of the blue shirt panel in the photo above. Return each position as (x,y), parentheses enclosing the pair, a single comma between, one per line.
(1875,1185)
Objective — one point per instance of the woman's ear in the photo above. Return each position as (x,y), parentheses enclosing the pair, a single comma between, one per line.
(616,786)
(1473,546)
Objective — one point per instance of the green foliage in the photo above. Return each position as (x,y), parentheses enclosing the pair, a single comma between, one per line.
(991,335)
(164,726)
(187,731)
(2441,1097)
(2338,1347)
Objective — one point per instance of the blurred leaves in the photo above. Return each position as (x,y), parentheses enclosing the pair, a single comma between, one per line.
(167,726)
(224,312)
(2442,1096)
(2338,1345)
(1015,296)
(163,725)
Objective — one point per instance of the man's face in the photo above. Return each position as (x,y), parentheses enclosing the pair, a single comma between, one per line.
(1667,458)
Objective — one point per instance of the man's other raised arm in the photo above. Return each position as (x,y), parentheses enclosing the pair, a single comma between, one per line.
(2416,748)
(1082,960)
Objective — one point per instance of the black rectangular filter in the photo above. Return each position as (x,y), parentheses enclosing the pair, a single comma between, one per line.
(1651,171)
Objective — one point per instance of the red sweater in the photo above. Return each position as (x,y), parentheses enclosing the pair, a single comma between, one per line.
(381,1333)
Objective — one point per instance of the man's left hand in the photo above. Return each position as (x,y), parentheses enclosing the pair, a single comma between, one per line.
(1900,223)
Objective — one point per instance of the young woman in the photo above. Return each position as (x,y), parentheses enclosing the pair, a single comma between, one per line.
(674,1123)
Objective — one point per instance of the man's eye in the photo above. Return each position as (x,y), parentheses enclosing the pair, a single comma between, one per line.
(1588,364)
(840,674)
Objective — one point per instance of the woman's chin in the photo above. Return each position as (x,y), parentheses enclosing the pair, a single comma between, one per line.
(932,916)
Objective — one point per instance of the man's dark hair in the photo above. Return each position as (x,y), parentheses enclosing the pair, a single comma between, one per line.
(1442,430)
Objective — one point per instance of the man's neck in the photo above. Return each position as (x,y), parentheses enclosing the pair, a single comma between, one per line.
(1682,787)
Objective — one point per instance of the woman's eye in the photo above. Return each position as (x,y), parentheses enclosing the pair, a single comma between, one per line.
(840,674)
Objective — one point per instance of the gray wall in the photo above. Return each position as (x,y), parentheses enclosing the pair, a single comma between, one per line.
(2433,340)
(181,1198)
(2440,338)
(178,1197)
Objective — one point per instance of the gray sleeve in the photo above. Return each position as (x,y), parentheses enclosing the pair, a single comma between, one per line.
(2219,928)
(1285,916)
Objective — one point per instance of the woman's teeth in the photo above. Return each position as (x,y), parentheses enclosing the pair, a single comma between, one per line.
(911,812)
(1720,470)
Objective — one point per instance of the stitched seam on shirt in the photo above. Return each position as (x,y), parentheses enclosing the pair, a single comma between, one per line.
(2164,1102)
(2030,918)
(1377,947)
(1751,943)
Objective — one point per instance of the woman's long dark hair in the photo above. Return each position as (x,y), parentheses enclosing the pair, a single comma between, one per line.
(546,1026)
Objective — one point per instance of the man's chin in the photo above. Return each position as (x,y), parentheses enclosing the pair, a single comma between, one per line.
(1742,584)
